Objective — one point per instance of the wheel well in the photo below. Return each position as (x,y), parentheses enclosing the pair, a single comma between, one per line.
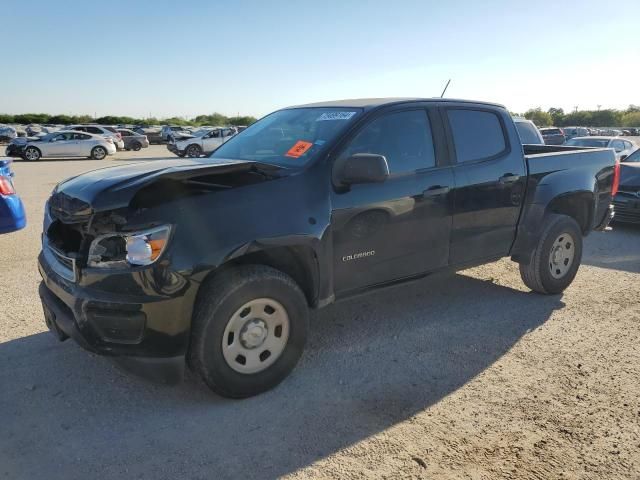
(300,263)
(577,206)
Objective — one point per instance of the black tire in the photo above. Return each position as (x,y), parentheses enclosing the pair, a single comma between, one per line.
(136,146)
(218,299)
(193,151)
(32,154)
(537,275)
(98,153)
(181,154)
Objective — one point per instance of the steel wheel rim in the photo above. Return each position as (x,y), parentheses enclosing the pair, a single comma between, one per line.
(31,154)
(562,255)
(256,335)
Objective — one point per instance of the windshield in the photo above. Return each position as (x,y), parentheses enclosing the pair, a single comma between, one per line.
(588,142)
(634,157)
(289,138)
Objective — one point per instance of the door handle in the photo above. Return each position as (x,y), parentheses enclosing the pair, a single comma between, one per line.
(435,191)
(509,178)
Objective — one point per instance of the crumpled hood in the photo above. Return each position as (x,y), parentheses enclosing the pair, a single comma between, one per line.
(114,187)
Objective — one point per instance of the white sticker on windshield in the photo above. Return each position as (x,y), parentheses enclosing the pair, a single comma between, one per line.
(335,116)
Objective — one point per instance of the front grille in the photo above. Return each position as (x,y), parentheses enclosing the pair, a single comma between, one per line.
(627,211)
(62,264)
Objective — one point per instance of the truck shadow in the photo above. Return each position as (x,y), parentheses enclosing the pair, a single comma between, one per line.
(371,362)
(612,249)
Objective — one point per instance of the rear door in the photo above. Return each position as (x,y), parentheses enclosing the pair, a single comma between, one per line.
(399,228)
(490,177)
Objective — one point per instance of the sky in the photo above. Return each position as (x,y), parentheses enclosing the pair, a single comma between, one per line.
(185,58)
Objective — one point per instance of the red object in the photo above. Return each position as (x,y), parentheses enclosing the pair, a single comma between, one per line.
(5,186)
(616,179)
(299,149)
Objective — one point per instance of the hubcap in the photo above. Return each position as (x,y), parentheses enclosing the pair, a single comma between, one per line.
(561,256)
(255,335)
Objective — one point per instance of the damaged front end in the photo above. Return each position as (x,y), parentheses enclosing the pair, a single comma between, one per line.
(110,279)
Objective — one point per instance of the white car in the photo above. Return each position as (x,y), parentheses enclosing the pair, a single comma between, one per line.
(106,132)
(63,144)
(623,148)
(203,144)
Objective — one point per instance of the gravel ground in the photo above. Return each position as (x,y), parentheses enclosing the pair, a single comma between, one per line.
(463,375)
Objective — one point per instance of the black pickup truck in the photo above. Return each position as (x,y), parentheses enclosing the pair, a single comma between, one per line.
(217,260)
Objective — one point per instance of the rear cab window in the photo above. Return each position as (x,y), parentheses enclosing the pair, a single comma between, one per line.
(477,134)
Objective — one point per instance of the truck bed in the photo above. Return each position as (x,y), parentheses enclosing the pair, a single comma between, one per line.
(544,159)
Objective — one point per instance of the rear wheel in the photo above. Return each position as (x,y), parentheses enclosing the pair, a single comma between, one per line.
(98,153)
(136,146)
(249,330)
(556,259)
(194,151)
(32,154)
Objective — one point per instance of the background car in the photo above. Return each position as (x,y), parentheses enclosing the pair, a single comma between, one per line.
(7,133)
(626,203)
(553,135)
(170,131)
(207,142)
(133,140)
(12,215)
(154,135)
(570,132)
(633,157)
(105,131)
(528,132)
(623,148)
(63,144)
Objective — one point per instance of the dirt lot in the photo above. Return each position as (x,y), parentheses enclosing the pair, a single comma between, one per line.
(465,375)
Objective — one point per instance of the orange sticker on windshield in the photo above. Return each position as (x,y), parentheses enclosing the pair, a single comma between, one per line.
(299,149)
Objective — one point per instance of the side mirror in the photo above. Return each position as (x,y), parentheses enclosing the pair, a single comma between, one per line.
(363,168)
(623,157)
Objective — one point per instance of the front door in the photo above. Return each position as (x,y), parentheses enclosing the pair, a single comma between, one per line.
(399,228)
(59,145)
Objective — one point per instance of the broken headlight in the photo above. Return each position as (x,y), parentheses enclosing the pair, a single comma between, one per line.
(129,249)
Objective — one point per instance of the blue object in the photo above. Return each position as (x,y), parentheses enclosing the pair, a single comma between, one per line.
(12,216)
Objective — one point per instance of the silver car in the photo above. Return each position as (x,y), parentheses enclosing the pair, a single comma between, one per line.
(623,148)
(107,132)
(63,144)
(133,140)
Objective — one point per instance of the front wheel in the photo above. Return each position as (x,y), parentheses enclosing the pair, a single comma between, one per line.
(249,330)
(556,259)
(136,146)
(194,151)
(32,154)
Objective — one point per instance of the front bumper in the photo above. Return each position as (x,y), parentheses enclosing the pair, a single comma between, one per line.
(175,150)
(147,331)
(14,150)
(627,206)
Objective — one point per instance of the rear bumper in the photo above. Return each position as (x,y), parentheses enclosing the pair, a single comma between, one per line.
(147,334)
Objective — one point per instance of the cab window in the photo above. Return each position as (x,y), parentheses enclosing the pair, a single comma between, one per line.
(403,138)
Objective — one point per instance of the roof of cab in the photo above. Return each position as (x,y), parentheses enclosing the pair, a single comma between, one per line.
(369,103)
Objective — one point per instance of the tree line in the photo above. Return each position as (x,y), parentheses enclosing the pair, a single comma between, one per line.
(213,119)
(587,118)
